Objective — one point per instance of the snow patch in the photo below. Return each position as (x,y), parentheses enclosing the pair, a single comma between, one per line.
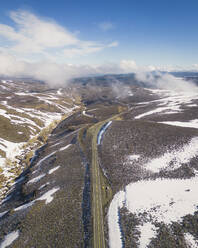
(42,186)
(48,195)
(54,169)
(192,105)
(148,231)
(113,220)
(164,110)
(59,91)
(20,179)
(85,114)
(3,213)
(170,103)
(133,157)
(46,157)
(65,147)
(9,239)
(36,179)
(24,206)
(163,200)
(190,124)
(190,240)
(173,160)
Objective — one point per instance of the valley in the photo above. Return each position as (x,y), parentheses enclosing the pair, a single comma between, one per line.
(98,167)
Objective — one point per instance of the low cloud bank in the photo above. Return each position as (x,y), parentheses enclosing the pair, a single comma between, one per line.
(61,74)
(119,89)
(57,74)
(166,81)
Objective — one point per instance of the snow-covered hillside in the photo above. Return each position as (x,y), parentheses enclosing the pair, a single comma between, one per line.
(26,110)
(166,192)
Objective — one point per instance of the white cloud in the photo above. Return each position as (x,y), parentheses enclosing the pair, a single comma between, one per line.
(165,81)
(86,48)
(57,74)
(195,67)
(128,66)
(36,37)
(105,26)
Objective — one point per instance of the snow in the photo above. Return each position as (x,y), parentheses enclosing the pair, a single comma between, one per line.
(59,91)
(114,228)
(56,144)
(102,131)
(133,157)
(10,148)
(190,124)
(6,199)
(45,117)
(64,147)
(171,102)
(195,172)
(3,87)
(21,94)
(9,239)
(19,180)
(42,186)
(148,231)
(158,110)
(36,179)
(29,121)
(48,195)
(4,81)
(54,169)
(130,93)
(163,200)
(190,240)
(192,105)
(46,157)
(165,110)
(174,159)
(24,206)
(3,112)
(23,120)
(85,114)
(3,213)
(13,108)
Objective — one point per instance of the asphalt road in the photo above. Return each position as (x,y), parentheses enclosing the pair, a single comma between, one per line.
(98,225)
(97,210)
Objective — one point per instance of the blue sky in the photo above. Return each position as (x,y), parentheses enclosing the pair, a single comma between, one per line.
(157,33)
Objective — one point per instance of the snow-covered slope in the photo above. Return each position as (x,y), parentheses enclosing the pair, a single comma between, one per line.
(27,109)
(166,193)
